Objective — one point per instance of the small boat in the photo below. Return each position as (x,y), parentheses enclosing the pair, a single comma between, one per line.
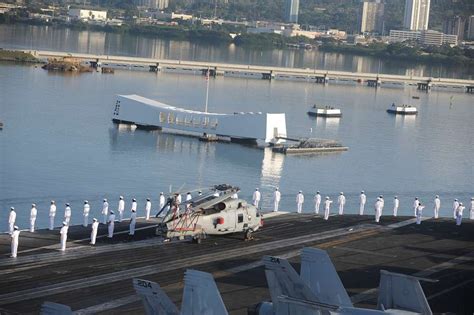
(326,111)
(402,109)
(415,97)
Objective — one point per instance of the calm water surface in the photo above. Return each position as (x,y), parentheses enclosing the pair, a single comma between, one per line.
(59,143)
(62,39)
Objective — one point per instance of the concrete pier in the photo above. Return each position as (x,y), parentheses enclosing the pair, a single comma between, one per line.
(98,280)
(257,72)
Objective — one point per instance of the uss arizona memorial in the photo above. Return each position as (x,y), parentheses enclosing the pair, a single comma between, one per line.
(252,127)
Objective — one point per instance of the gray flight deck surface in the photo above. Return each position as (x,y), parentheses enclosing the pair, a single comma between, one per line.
(99,279)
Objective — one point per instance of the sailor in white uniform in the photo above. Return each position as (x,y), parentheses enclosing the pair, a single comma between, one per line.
(33,214)
(67,214)
(471,209)
(455,207)
(111,223)
(52,214)
(87,210)
(341,201)
(63,233)
(95,227)
(162,200)
(317,202)
(121,208)
(178,199)
(378,209)
(133,222)
(459,212)
(419,213)
(147,209)
(276,199)
(200,193)
(363,200)
(14,245)
(396,204)
(327,207)
(437,206)
(134,205)
(188,197)
(382,201)
(105,211)
(256,197)
(416,203)
(11,220)
(299,201)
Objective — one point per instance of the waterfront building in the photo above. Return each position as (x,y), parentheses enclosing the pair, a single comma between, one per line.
(428,37)
(291,10)
(372,16)
(87,15)
(417,14)
(455,26)
(470,28)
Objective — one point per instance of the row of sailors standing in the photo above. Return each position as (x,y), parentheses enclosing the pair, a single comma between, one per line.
(458,207)
(108,218)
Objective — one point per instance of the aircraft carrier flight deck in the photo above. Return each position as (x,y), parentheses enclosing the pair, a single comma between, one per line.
(98,279)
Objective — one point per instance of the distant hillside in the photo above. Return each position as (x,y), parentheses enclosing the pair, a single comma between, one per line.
(343,14)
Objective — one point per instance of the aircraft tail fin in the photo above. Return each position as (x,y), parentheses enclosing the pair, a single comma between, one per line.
(318,272)
(50,308)
(154,298)
(403,292)
(201,295)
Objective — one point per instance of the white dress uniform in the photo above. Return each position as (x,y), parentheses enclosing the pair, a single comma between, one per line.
(133,222)
(256,198)
(147,209)
(342,201)
(317,202)
(179,199)
(87,209)
(111,225)
(459,212)
(437,206)
(471,210)
(378,210)
(327,208)
(52,214)
(105,211)
(95,227)
(299,202)
(11,220)
(455,207)
(416,203)
(33,214)
(363,200)
(276,199)
(121,208)
(14,245)
(67,214)
(188,197)
(162,201)
(419,213)
(63,233)
(396,204)
(234,195)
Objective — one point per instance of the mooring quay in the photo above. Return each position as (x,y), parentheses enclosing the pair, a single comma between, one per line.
(98,280)
(317,76)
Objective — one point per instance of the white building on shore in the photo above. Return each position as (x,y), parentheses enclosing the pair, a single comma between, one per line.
(87,15)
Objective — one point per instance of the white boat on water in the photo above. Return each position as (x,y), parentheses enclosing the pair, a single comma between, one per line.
(326,111)
(252,127)
(402,109)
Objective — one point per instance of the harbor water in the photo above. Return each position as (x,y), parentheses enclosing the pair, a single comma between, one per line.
(59,143)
